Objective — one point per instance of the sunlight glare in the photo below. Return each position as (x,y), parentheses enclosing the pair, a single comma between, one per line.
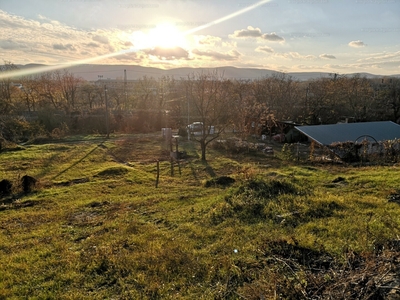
(156,37)
(163,35)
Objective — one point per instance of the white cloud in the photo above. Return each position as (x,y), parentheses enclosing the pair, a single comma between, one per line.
(332,67)
(305,67)
(51,42)
(168,53)
(264,49)
(272,37)
(295,55)
(356,44)
(382,57)
(208,40)
(101,39)
(229,44)
(327,56)
(252,32)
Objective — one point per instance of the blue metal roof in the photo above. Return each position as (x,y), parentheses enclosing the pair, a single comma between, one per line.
(345,132)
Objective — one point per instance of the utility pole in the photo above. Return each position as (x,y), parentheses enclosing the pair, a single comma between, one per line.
(125,92)
(188,121)
(107,121)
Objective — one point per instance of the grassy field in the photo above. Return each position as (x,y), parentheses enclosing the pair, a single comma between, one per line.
(96,227)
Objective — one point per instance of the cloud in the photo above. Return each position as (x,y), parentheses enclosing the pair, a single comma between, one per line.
(101,39)
(305,67)
(330,66)
(327,56)
(130,57)
(50,41)
(168,53)
(10,45)
(357,44)
(64,47)
(127,44)
(250,32)
(381,57)
(92,45)
(264,49)
(208,40)
(272,37)
(229,56)
(256,33)
(295,55)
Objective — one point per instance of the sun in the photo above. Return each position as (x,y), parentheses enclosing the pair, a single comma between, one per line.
(167,36)
(164,35)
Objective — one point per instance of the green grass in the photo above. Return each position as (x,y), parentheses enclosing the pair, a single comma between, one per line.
(95,227)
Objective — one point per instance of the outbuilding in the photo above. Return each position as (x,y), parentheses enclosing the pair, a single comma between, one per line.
(354,134)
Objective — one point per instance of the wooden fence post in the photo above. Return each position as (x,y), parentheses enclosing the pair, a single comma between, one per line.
(158,173)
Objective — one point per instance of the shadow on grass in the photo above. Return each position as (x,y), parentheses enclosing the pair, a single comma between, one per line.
(101,145)
(210,171)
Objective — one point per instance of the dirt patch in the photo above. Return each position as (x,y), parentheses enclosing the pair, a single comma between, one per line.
(17,204)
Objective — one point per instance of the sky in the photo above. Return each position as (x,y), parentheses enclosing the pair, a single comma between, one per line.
(336,36)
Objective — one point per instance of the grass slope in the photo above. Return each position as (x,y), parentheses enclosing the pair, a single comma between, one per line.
(96,227)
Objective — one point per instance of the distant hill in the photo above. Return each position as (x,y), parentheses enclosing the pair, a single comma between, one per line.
(92,72)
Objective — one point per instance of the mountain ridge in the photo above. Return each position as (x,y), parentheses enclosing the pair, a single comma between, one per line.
(93,72)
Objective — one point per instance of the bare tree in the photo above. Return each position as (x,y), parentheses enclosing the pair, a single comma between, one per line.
(210,97)
(250,110)
(49,91)
(6,89)
(391,97)
(88,92)
(145,93)
(321,102)
(68,85)
(358,96)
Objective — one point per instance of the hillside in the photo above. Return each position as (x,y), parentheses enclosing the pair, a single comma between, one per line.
(243,225)
(91,72)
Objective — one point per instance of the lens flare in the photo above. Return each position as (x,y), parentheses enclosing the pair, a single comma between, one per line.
(159,36)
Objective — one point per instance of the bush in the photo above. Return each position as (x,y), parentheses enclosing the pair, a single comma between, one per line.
(61,131)
(17,129)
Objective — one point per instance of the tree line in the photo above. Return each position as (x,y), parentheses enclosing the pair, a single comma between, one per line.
(208,98)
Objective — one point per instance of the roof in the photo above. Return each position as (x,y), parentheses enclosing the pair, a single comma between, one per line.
(345,132)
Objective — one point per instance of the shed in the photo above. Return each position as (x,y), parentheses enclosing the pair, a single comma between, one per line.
(351,132)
